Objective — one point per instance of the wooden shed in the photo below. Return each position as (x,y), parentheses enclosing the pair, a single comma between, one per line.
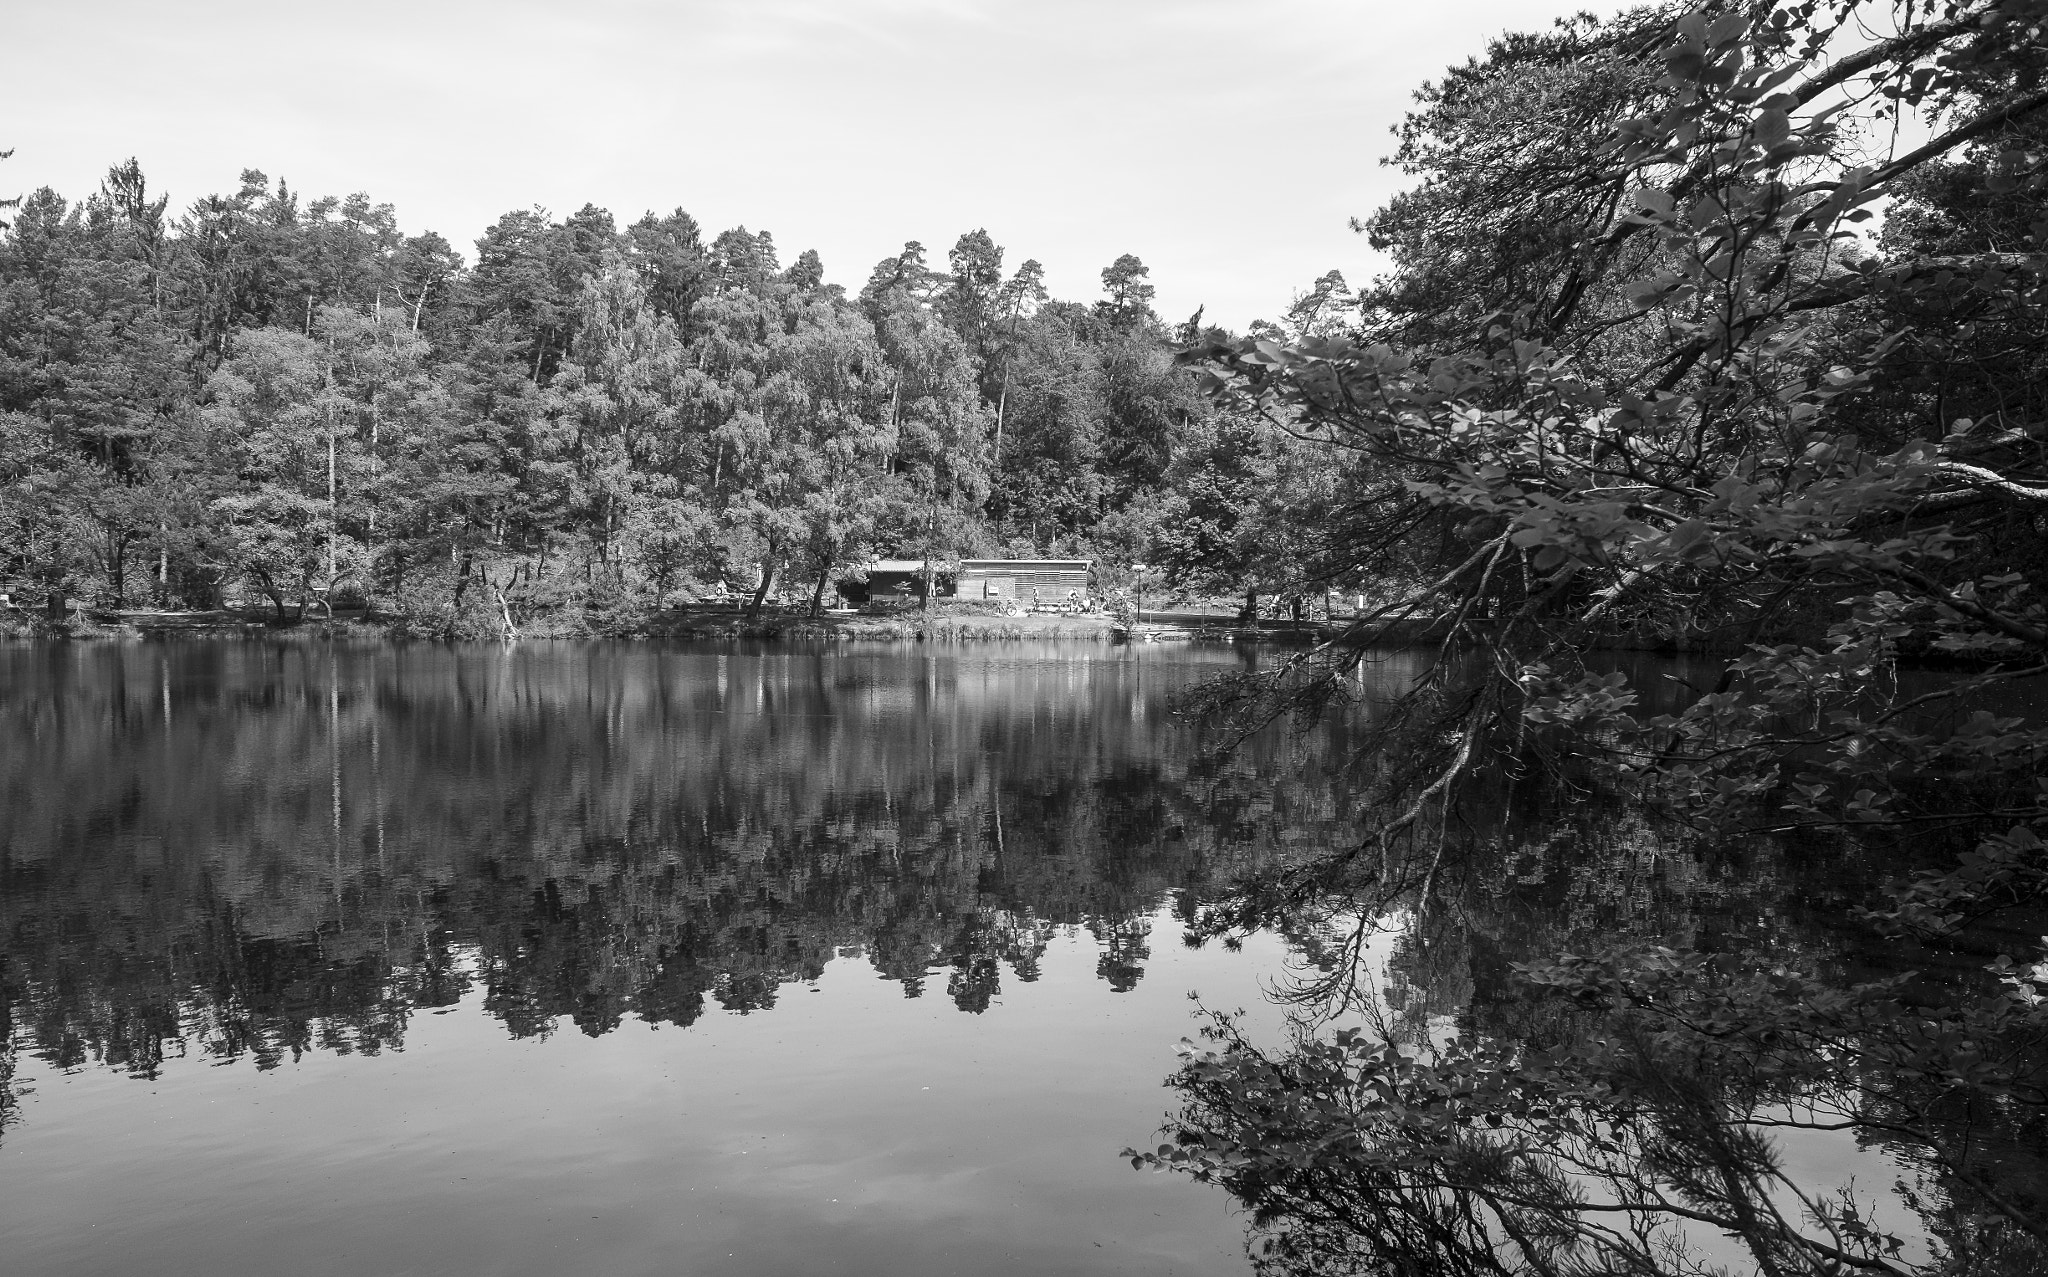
(1029,582)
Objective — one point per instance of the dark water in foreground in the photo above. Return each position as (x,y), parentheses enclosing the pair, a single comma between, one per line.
(614,958)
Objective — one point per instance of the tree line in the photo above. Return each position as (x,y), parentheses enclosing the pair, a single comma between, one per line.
(292,400)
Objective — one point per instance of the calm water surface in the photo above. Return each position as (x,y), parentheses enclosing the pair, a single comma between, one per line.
(615,958)
(623,958)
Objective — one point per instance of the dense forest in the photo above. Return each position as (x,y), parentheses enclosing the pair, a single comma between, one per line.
(273,398)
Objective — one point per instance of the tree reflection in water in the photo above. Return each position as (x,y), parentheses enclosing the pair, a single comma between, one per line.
(1560,1035)
(260,851)
(255,850)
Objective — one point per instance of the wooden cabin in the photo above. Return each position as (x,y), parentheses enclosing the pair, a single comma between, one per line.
(1027,582)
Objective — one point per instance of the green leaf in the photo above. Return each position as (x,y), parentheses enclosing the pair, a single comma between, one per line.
(1773,128)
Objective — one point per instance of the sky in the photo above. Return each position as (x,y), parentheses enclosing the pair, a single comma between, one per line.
(1226,144)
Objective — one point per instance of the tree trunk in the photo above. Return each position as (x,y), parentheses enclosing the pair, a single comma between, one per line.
(931,535)
(1002,402)
(119,575)
(504,609)
(818,595)
(761,590)
(1003,398)
(333,510)
(1250,615)
(376,430)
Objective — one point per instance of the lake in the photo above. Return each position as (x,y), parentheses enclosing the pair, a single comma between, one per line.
(616,958)
(620,958)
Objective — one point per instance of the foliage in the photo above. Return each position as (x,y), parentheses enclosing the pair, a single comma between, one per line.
(291,401)
(1639,368)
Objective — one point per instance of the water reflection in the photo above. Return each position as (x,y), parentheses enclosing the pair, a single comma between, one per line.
(1743,1044)
(295,853)
(260,851)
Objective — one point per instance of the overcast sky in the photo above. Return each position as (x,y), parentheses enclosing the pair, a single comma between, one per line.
(1225,142)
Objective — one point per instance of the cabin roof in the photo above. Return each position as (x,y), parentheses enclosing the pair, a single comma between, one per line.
(1026,565)
(988,565)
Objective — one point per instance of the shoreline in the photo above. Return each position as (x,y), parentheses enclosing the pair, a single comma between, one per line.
(697,626)
(910,627)
(1157,627)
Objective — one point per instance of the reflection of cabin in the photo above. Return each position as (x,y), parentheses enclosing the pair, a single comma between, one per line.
(1024,581)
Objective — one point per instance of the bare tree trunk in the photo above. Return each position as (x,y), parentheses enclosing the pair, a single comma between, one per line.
(1002,402)
(376,425)
(1003,398)
(504,609)
(333,507)
(931,536)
